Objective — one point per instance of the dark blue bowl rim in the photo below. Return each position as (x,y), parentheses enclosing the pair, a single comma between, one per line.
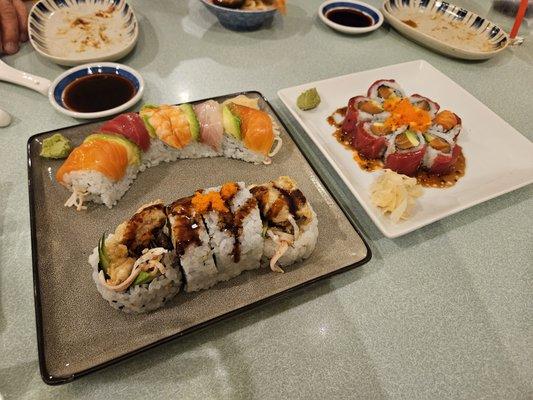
(357,6)
(93,70)
(238,11)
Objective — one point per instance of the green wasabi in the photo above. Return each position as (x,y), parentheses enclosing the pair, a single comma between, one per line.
(308,100)
(56,146)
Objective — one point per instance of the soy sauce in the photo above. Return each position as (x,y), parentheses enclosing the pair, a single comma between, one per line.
(97,92)
(349,17)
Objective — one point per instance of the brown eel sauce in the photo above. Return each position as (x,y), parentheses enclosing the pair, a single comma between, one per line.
(185,226)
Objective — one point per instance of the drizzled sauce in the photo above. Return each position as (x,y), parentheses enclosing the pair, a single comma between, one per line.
(424,178)
(232,223)
(186,225)
(349,17)
(410,22)
(238,220)
(97,92)
(145,228)
(444,180)
(295,199)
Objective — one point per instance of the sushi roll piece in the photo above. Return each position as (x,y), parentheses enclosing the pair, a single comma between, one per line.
(234,224)
(250,134)
(425,104)
(101,170)
(191,244)
(131,126)
(134,268)
(290,224)
(362,108)
(175,134)
(384,89)
(441,153)
(371,138)
(405,151)
(446,123)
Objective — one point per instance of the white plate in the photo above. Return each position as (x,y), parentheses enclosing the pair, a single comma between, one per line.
(498,158)
(74,32)
(446,28)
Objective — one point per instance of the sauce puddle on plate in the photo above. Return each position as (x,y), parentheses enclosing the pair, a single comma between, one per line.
(349,17)
(98,92)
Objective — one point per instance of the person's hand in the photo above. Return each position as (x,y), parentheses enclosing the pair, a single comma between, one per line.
(13,25)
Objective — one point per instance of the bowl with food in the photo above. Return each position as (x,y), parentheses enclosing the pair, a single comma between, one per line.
(244,15)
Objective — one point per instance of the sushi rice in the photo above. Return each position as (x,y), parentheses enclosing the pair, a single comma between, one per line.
(96,187)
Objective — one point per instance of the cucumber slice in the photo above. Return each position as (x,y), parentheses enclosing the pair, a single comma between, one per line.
(194,126)
(143,277)
(104,261)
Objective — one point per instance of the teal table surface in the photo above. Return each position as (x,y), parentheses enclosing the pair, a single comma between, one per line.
(442,313)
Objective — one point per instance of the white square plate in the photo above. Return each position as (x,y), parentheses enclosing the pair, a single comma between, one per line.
(498,158)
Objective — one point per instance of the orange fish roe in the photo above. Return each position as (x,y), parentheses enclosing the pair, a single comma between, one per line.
(404,113)
(204,202)
(228,190)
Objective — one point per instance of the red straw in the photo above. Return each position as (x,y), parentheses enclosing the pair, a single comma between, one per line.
(519,17)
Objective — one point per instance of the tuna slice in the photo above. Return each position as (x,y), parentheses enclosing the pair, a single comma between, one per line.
(352,116)
(444,162)
(131,126)
(368,145)
(406,163)
(209,114)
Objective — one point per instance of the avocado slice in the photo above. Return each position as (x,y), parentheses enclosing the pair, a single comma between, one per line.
(232,123)
(134,153)
(429,137)
(193,121)
(143,277)
(412,137)
(145,116)
(104,261)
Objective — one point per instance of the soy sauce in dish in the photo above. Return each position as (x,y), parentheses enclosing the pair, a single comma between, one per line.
(97,92)
(349,17)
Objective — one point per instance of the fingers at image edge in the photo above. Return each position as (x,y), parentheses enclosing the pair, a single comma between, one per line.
(13,25)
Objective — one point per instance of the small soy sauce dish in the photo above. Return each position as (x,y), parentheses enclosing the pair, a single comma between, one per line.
(349,16)
(96,90)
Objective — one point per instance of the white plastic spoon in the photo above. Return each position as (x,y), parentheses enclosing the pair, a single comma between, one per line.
(12,75)
(5,119)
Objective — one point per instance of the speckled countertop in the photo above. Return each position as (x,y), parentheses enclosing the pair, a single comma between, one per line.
(442,313)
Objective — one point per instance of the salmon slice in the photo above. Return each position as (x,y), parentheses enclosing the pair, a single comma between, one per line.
(256,128)
(107,157)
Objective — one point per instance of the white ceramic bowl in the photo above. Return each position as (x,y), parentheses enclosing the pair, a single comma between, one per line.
(447,28)
(57,88)
(74,32)
(367,9)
